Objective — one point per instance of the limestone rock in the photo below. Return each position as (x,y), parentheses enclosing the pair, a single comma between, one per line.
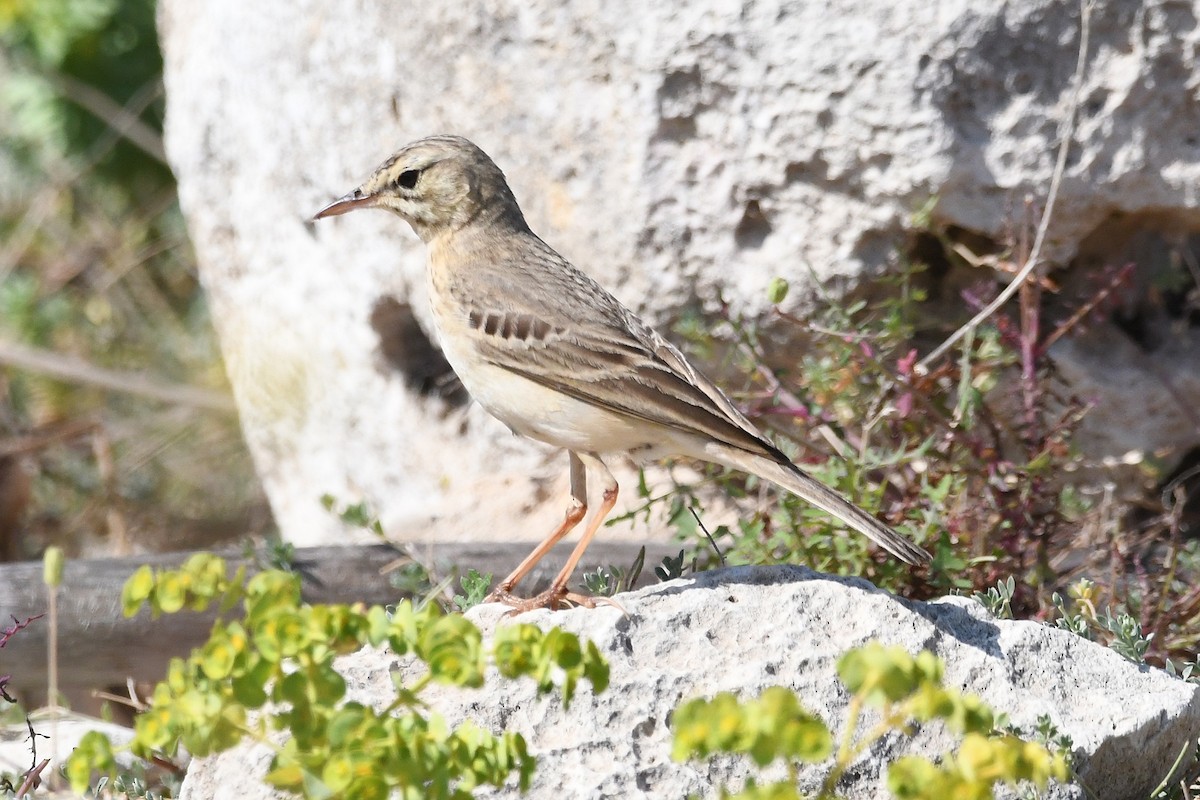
(744,629)
(673,151)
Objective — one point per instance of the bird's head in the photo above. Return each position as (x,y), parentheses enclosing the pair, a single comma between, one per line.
(439,185)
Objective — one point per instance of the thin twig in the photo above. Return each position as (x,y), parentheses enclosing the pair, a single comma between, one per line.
(106,468)
(777,388)
(128,702)
(75,370)
(44,437)
(1068,130)
(33,737)
(1094,302)
(52,672)
(18,625)
(118,117)
(711,540)
(33,779)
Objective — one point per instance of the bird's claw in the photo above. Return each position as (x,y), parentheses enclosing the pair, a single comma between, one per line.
(555,598)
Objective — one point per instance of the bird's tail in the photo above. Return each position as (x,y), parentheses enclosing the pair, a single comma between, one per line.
(798,482)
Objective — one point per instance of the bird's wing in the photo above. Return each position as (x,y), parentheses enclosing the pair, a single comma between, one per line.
(562,330)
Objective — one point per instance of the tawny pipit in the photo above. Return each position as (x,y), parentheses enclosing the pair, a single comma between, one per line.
(555,357)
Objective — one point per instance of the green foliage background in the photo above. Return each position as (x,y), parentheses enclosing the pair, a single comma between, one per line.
(95,263)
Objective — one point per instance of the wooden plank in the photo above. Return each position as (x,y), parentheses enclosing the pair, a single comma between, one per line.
(99,648)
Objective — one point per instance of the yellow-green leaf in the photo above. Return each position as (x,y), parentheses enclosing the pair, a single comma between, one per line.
(290,777)
(137,590)
(170,594)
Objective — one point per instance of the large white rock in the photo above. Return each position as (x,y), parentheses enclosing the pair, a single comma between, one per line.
(744,629)
(671,150)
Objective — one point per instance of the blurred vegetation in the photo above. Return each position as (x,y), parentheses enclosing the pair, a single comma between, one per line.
(95,265)
(973,460)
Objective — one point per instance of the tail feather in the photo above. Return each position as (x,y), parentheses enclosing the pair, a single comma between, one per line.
(798,482)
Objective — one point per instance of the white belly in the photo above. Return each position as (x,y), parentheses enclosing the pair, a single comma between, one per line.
(533,410)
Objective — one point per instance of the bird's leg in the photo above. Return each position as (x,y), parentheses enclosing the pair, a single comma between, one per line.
(576,510)
(557,595)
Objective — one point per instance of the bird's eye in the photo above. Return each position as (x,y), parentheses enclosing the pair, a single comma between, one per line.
(408,178)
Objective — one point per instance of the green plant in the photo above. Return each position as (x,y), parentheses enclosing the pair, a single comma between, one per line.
(357,514)
(1046,732)
(273,670)
(475,587)
(274,553)
(670,568)
(969,457)
(998,599)
(142,780)
(612,579)
(903,691)
(1187,671)
(605,581)
(1119,629)
(853,410)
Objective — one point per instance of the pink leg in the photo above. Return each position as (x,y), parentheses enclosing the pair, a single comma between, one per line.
(557,594)
(576,511)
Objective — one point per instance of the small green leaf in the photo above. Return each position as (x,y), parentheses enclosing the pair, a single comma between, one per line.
(564,648)
(153,728)
(93,754)
(595,668)
(234,590)
(879,674)
(793,732)
(290,777)
(777,290)
(914,778)
(379,625)
(338,772)
(475,587)
(703,727)
(170,593)
(137,590)
(452,646)
(217,657)
(250,687)
(328,686)
(405,626)
(514,648)
(346,724)
(207,573)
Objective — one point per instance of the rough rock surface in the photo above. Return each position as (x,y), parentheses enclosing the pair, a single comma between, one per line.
(743,629)
(671,150)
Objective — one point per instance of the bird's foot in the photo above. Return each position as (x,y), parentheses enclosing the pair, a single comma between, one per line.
(555,598)
(502,595)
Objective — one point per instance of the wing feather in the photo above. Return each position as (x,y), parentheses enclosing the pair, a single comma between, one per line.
(555,326)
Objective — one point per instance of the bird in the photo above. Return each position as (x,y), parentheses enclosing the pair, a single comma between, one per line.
(557,358)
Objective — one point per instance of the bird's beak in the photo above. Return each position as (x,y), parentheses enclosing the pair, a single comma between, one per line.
(348,202)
